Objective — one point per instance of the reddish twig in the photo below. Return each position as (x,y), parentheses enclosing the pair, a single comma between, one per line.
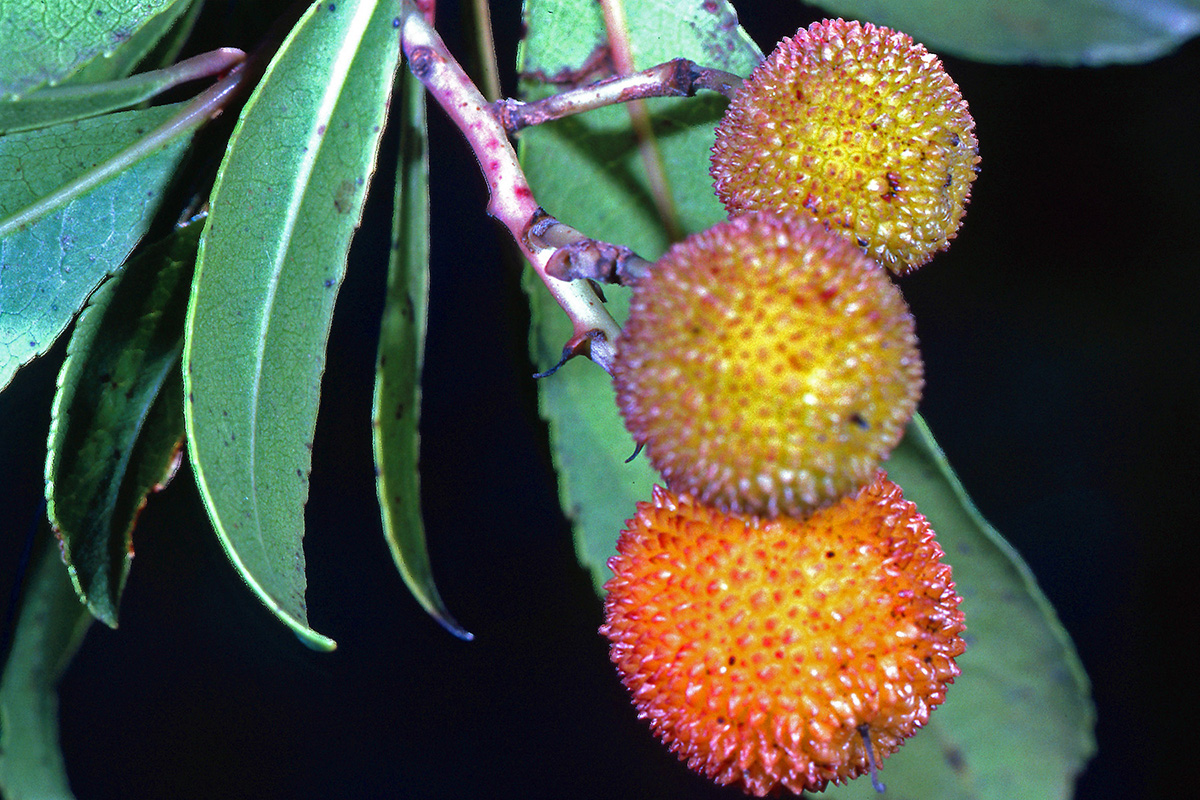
(677,78)
(511,202)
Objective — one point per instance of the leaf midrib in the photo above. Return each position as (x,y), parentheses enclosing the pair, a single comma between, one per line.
(346,52)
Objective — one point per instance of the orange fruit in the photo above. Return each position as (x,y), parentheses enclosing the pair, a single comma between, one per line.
(764,652)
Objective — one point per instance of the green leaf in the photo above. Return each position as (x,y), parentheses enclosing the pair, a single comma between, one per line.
(287,201)
(46,41)
(397,404)
(598,491)
(1060,32)
(608,196)
(117,423)
(49,629)
(160,37)
(68,103)
(1018,721)
(74,200)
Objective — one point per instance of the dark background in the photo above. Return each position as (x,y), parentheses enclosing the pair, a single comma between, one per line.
(1058,335)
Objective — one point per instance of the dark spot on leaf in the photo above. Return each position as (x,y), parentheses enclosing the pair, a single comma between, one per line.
(343,200)
(400,409)
(954,758)
(396,22)
(329,283)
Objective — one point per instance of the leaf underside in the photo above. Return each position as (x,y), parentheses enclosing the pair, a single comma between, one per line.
(1023,681)
(67,243)
(154,44)
(39,49)
(287,202)
(117,422)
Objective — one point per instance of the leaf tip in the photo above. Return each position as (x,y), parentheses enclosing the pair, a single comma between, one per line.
(448,622)
(313,640)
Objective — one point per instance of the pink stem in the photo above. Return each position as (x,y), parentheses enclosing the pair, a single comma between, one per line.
(512,201)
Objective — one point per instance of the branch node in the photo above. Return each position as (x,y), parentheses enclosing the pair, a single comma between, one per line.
(581,344)
(422,60)
(591,259)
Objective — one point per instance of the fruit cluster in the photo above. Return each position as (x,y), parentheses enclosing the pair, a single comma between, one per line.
(780,614)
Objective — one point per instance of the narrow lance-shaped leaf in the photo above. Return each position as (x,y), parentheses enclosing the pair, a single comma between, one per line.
(287,201)
(48,631)
(397,405)
(117,422)
(1059,32)
(45,41)
(74,200)
(608,198)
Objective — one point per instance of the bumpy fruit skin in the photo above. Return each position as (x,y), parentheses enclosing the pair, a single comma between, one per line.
(758,649)
(767,365)
(861,128)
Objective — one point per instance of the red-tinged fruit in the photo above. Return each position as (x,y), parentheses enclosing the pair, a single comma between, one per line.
(767,366)
(859,127)
(763,653)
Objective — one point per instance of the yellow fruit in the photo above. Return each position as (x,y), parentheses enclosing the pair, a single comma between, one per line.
(761,652)
(767,365)
(861,128)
